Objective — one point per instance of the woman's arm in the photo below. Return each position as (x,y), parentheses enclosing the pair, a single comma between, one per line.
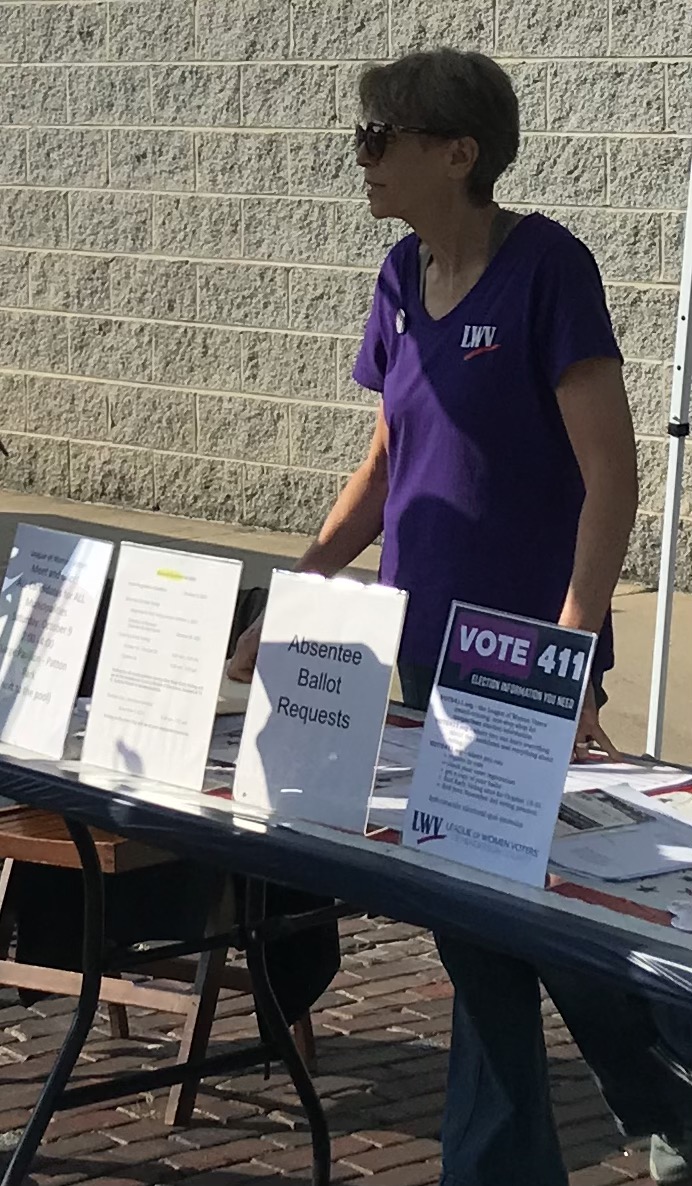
(594,408)
(353,523)
(355,520)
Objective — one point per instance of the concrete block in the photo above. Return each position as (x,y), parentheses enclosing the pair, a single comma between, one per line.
(289,365)
(649,172)
(530,82)
(416,26)
(68,157)
(553,28)
(33,94)
(14,278)
(196,95)
(11,33)
(680,97)
(243,429)
(348,391)
(240,163)
(627,245)
(673,229)
(607,97)
(340,28)
(648,396)
(13,403)
(282,229)
(66,32)
(156,289)
(152,418)
(643,559)
(32,342)
(196,226)
(666,25)
(29,218)
(12,156)
(143,159)
(240,30)
(110,222)
(362,241)
(109,95)
(191,356)
(289,96)
(64,408)
(287,499)
(652,459)
(323,165)
(34,465)
(73,284)
(111,349)
(348,111)
(152,30)
(330,438)
(330,301)
(243,294)
(550,167)
(198,487)
(119,477)
(644,321)
(644,556)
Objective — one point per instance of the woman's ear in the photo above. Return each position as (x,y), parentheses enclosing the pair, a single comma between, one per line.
(462,156)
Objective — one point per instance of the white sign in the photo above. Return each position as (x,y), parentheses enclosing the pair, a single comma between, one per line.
(163,653)
(497,742)
(50,597)
(319,698)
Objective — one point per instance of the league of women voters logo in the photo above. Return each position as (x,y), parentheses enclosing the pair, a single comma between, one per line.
(478,339)
(429,826)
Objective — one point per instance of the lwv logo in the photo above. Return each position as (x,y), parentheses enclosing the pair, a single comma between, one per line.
(478,339)
(430,827)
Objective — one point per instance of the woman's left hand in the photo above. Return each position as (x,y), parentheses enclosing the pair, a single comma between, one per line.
(590,735)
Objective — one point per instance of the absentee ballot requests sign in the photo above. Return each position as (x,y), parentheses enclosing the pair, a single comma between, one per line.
(319,698)
(497,742)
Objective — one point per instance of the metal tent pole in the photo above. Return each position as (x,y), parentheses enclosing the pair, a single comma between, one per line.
(678,430)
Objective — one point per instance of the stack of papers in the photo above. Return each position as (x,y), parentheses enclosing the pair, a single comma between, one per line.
(617,837)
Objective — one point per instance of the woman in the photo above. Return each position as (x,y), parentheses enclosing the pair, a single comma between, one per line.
(502,471)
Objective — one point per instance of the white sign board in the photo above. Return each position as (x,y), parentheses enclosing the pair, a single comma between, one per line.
(50,597)
(319,699)
(497,742)
(163,654)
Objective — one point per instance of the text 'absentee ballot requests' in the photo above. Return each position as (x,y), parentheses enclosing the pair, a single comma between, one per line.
(319,698)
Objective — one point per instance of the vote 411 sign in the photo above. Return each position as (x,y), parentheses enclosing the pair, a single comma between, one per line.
(497,742)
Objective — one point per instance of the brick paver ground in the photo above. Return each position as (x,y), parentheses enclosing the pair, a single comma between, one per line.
(382,1032)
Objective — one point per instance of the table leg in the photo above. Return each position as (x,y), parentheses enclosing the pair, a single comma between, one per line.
(92,965)
(281,1035)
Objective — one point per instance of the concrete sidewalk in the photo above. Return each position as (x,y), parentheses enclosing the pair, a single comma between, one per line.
(628,686)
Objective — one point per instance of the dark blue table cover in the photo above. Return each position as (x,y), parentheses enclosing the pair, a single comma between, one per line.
(368,878)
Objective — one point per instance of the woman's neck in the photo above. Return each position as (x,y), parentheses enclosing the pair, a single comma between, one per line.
(458,238)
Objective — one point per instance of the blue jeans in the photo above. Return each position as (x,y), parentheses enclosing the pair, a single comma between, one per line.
(498,1124)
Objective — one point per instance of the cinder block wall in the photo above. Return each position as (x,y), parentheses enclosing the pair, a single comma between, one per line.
(186,258)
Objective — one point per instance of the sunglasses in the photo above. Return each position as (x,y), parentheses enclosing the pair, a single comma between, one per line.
(376,136)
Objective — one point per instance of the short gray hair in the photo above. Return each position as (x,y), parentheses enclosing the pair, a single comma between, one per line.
(454,94)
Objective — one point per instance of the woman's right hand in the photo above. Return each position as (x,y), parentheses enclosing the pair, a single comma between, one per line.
(242,663)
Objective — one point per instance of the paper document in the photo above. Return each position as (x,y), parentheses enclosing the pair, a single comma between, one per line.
(399,750)
(588,811)
(644,777)
(597,836)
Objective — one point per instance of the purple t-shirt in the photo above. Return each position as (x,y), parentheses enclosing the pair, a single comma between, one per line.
(484,489)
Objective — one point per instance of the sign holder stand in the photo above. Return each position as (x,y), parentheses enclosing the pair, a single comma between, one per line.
(678,431)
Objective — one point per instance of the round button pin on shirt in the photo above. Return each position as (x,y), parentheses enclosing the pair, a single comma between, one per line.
(400,322)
